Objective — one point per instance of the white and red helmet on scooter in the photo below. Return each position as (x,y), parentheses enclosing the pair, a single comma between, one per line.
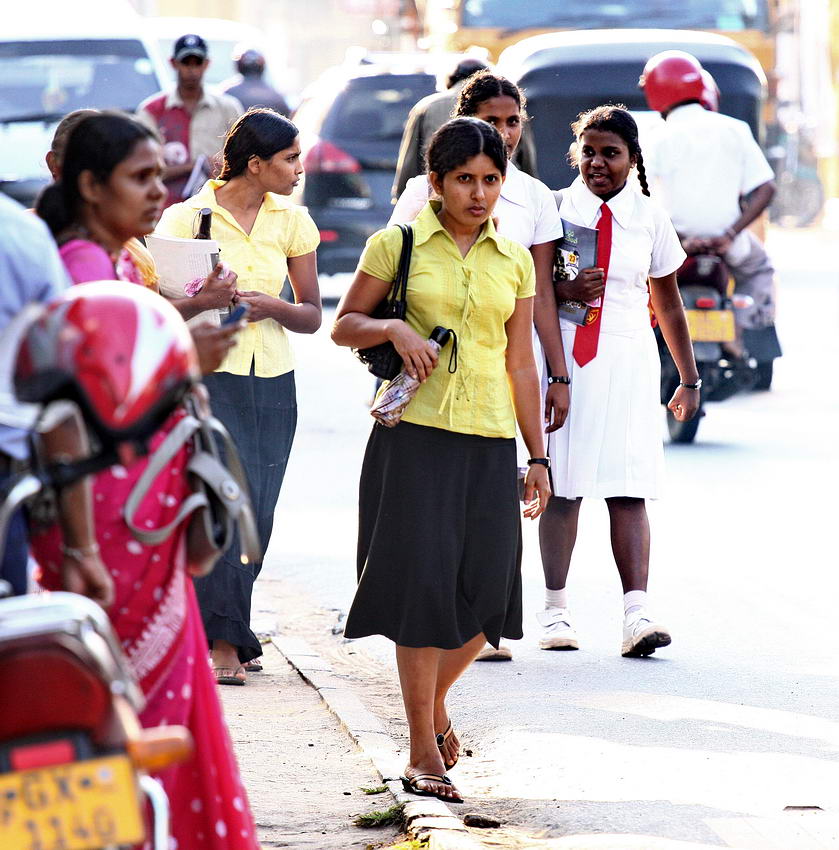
(710,93)
(120,351)
(670,78)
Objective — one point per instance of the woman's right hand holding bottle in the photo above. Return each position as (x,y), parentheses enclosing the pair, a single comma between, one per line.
(219,288)
(417,353)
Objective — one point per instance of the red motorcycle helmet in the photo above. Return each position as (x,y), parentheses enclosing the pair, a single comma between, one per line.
(710,92)
(119,350)
(670,78)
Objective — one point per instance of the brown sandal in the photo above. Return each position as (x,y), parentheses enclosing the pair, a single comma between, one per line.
(228,675)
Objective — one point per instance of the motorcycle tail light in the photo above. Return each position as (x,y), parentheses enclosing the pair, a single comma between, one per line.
(155,749)
(704,303)
(742,302)
(62,692)
(31,756)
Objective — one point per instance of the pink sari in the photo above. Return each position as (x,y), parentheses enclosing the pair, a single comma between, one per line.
(155,615)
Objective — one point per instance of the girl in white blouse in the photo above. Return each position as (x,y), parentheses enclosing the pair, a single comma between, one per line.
(610,446)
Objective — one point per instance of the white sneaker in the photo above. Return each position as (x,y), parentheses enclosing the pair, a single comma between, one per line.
(642,635)
(490,653)
(557,631)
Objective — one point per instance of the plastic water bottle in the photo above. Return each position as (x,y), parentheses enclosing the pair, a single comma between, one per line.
(390,405)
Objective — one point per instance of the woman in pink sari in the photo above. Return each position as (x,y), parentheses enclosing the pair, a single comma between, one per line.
(111,191)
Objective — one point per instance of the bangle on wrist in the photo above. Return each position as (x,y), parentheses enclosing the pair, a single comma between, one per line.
(559,379)
(80,552)
(696,386)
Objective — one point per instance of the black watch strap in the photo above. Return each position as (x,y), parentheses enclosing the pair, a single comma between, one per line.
(559,379)
(542,461)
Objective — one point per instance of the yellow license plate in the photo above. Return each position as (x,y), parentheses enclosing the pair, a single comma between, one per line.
(77,806)
(711,325)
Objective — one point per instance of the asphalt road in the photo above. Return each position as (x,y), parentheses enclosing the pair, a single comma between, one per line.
(711,739)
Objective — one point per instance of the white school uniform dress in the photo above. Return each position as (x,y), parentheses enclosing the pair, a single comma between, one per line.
(610,444)
(526,209)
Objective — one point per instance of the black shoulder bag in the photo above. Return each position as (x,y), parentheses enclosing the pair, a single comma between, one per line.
(382,360)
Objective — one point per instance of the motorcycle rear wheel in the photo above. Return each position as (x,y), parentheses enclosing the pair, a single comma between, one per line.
(764,375)
(682,432)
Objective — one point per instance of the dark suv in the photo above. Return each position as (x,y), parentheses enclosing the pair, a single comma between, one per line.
(350,129)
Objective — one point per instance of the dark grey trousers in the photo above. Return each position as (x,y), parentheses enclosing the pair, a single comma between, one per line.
(261,416)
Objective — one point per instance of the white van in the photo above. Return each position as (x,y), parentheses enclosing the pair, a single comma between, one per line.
(55,57)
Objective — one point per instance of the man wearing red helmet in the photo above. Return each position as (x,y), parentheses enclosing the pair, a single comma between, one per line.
(711,176)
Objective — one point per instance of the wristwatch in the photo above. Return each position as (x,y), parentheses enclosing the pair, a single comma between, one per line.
(696,386)
(559,379)
(542,461)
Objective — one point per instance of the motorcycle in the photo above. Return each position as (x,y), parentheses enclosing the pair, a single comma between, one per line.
(75,763)
(707,290)
(76,767)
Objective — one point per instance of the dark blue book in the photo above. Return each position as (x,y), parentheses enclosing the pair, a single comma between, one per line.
(576,250)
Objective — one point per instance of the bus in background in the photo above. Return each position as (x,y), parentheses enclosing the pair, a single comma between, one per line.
(455,25)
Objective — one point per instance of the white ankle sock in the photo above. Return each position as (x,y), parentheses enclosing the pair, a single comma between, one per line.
(556,598)
(634,600)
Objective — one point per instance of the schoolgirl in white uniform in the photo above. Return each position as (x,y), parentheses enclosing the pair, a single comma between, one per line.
(610,445)
(526,212)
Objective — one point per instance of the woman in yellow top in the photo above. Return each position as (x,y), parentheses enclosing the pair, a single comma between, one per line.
(263,237)
(439,535)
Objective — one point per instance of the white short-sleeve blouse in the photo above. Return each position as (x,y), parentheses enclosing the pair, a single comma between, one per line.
(644,244)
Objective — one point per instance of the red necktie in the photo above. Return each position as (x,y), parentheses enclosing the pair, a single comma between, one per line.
(585,339)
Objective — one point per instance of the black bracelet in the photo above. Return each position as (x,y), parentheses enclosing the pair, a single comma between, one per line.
(559,379)
(541,461)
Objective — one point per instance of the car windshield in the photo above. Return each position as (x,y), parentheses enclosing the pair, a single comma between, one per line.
(725,15)
(43,79)
(375,108)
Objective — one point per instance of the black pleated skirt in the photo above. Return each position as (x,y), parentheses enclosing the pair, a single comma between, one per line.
(439,543)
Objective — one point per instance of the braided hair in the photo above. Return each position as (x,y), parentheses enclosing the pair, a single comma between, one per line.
(484,86)
(612,118)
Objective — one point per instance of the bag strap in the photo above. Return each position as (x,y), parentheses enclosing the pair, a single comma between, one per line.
(181,434)
(400,282)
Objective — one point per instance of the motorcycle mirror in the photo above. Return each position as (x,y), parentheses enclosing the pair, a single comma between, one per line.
(13,494)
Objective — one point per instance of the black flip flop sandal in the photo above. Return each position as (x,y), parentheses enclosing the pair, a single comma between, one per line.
(410,785)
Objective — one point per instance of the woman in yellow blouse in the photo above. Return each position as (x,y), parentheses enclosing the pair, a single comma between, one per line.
(263,237)
(439,536)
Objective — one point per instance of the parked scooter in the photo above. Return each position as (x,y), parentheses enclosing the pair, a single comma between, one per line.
(707,290)
(75,764)
(74,761)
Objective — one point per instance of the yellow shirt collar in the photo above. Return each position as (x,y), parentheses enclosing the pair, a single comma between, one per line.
(206,197)
(427,224)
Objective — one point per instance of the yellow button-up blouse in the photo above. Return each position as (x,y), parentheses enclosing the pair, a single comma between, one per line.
(473,295)
(281,230)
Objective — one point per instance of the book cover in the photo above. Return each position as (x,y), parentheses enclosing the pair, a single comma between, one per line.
(576,250)
(183,261)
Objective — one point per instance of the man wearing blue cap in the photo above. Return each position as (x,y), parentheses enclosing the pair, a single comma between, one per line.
(192,120)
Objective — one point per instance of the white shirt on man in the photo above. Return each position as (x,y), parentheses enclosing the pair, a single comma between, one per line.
(526,210)
(700,164)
